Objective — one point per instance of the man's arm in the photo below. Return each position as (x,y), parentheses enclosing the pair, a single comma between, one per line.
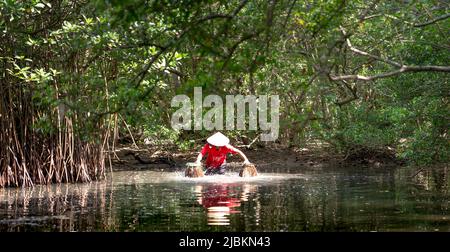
(199,158)
(240,153)
(202,154)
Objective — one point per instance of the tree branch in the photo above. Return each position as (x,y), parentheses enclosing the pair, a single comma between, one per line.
(235,46)
(172,43)
(403,69)
(141,44)
(440,18)
(349,99)
(213,16)
(360,52)
(239,8)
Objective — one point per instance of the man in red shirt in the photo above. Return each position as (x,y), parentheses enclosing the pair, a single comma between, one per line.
(216,150)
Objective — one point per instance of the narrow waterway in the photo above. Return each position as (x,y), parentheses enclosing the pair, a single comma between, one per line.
(339,199)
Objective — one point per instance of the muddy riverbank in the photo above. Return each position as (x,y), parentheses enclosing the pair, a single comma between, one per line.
(171,159)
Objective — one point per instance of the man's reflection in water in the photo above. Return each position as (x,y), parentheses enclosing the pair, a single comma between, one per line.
(222,200)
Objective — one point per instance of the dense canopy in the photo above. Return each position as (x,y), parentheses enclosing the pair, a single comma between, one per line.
(360,76)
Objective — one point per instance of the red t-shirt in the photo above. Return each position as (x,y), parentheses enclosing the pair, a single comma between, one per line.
(216,157)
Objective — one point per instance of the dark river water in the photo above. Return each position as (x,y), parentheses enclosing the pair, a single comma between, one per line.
(317,199)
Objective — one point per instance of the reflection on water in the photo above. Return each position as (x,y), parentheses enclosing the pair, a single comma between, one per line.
(221,200)
(353,199)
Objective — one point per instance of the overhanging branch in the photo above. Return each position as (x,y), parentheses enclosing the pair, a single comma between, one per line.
(403,69)
(400,67)
(440,18)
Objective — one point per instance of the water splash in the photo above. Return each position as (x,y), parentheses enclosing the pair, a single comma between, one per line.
(154,177)
(233,177)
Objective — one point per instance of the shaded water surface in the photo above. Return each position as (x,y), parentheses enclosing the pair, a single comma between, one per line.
(350,199)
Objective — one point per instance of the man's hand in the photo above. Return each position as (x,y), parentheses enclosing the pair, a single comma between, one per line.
(199,159)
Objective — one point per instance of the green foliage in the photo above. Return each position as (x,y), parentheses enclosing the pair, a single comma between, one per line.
(371,129)
(103,58)
(159,134)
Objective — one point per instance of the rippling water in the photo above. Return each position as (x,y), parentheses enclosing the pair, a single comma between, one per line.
(319,199)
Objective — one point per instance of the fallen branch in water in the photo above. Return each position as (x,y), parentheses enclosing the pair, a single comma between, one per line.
(417,173)
(250,144)
(129,131)
(158,160)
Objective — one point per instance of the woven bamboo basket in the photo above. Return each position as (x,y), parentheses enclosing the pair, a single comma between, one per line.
(248,170)
(193,170)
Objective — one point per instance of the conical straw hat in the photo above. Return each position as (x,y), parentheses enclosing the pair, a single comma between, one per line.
(218,139)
